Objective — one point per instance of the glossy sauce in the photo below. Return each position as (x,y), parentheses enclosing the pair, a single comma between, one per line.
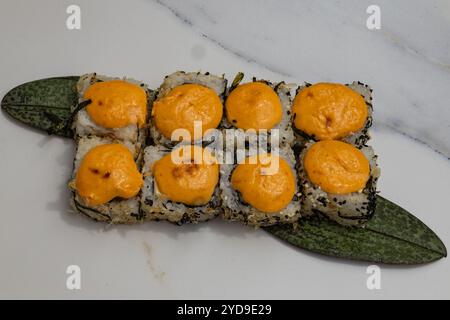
(106,172)
(329,111)
(337,167)
(268,193)
(253,105)
(185,104)
(116,104)
(188,182)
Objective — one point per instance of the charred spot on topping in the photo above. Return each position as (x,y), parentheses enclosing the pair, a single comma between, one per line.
(100,103)
(189,169)
(310,95)
(328,122)
(94,170)
(107,175)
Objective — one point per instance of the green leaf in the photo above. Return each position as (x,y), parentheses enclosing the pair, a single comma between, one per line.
(43,104)
(392,236)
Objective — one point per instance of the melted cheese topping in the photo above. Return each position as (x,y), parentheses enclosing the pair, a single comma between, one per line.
(337,167)
(266,192)
(253,105)
(116,104)
(184,105)
(106,172)
(329,111)
(191,182)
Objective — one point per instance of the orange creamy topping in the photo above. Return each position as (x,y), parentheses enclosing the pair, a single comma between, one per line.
(191,182)
(266,192)
(184,105)
(329,111)
(253,105)
(116,104)
(337,167)
(106,172)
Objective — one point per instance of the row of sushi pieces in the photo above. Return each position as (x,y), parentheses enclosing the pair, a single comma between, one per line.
(125,172)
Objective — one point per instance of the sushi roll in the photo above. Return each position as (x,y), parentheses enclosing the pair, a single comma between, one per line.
(256,193)
(330,111)
(339,181)
(180,185)
(184,98)
(106,181)
(112,107)
(260,106)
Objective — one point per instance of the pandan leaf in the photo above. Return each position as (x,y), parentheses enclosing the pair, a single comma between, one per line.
(44,104)
(392,236)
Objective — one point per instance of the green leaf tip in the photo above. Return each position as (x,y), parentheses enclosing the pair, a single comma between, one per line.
(43,104)
(392,236)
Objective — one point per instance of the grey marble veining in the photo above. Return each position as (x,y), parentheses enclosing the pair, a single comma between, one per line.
(407,61)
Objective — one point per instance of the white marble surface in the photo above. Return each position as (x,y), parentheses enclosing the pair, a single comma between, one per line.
(407,63)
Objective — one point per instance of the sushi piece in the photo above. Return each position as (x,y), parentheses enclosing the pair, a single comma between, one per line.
(182,99)
(260,106)
(330,111)
(261,190)
(180,185)
(112,107)
(339,181)
(106,181)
